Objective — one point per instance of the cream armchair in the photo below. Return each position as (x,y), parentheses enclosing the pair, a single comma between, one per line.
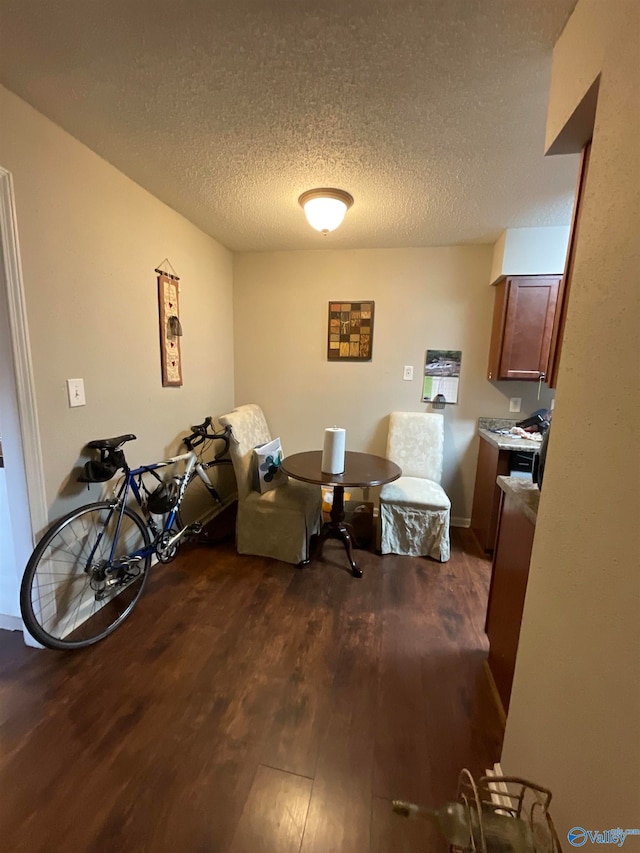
(280,522)
(415,510)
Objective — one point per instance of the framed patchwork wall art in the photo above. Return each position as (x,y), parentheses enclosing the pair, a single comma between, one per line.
(350,336)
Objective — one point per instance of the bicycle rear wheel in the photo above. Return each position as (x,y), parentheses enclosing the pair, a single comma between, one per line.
(198,504)
(72,593)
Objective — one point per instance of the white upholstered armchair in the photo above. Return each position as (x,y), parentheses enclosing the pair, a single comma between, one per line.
(280,522)
(415,510)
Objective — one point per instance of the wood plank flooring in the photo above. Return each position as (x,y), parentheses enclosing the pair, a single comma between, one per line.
(250,707)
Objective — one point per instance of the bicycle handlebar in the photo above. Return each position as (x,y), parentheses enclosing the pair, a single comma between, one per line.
(200,433)
(201,429)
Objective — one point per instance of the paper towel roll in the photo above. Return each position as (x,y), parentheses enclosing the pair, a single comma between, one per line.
(333,451)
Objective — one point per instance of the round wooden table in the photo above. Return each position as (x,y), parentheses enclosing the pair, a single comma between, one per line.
(360,470)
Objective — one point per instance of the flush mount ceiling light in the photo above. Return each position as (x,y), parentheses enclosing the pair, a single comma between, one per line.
(325,208)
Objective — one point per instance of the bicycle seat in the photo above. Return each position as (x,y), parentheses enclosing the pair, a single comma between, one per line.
(110,443)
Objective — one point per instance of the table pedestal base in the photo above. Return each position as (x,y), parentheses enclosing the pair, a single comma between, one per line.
(337,529)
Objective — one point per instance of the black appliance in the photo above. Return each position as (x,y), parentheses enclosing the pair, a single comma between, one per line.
(540,459)
(521,462)
(536,420)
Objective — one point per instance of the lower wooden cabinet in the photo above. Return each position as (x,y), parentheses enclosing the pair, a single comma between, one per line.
(486,495)
(509,577)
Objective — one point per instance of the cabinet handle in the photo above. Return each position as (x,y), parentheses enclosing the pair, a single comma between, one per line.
(541,379)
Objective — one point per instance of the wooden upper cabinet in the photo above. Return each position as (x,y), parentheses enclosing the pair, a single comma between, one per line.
(523,324)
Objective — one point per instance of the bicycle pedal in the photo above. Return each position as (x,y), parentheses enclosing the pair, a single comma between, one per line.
(194,529)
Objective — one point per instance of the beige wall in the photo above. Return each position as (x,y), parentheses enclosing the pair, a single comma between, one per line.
(574,720)
(424,298)
(90,239)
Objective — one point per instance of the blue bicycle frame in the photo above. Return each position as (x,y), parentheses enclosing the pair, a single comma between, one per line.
(132,480)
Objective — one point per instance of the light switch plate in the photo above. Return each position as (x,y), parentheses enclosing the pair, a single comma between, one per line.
(75,390)
(408,372)
(515,404)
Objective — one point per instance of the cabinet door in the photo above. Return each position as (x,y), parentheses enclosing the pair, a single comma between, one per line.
(497,329)
(486,494)
(509,577)
(528,326)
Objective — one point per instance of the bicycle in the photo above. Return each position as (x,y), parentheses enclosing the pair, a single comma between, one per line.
(88,571)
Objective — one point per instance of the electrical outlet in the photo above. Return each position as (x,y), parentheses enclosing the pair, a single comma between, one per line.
(75,390)
(408,371)
(515,403)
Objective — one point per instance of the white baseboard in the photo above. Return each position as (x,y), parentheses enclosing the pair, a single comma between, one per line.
(10,623)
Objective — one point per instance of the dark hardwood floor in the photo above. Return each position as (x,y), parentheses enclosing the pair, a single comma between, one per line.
(249,707)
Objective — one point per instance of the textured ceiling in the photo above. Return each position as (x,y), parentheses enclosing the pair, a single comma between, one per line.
(431,113)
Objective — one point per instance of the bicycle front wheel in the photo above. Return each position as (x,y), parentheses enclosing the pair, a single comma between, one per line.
(81,582)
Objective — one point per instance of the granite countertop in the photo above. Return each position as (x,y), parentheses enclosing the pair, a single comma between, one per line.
(505,442)
(525,492)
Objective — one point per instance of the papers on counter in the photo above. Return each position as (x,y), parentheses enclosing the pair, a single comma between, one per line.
(518,432)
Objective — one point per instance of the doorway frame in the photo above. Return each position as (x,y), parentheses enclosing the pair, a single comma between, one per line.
(21,435)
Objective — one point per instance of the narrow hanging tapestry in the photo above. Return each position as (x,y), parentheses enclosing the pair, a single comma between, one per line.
(170,328)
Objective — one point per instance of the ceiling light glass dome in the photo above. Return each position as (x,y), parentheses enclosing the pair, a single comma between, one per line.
(325,208)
